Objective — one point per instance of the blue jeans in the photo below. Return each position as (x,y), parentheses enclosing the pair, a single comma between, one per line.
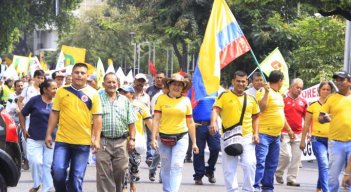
(213,142)
(320,150)
(339,152)
(267,158)
(75,156)
(172,161)
(149,151)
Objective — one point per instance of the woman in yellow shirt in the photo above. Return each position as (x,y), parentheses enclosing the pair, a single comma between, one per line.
(319,135)
(172,121)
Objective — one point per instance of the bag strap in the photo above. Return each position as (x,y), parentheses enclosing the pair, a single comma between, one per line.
(82,96)
(241,117)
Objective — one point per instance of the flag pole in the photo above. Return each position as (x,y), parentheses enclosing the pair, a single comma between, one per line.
(252,72)
(258,65)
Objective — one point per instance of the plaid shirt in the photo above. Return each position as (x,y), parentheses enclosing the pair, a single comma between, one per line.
(116,115)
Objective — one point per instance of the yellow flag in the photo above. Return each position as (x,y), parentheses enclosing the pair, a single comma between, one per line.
(42,62)
(275,61)
(109,62)
(73,54)
(20,63)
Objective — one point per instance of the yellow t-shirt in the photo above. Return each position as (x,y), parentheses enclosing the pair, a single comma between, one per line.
(318,129)
(174,112)
(231,106)
(272,119)
(75,119)
(339,108)
(143,113)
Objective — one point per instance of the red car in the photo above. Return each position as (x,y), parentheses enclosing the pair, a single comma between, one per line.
(10,154)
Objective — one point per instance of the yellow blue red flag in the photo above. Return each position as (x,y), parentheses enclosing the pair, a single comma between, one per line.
(223,42)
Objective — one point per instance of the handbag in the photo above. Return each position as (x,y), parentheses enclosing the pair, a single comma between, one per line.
(171,139)
(232,136)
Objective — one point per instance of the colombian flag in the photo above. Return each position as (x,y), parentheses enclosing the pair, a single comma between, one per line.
(223,42)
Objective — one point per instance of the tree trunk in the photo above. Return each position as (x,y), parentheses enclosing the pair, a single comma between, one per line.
(181,56)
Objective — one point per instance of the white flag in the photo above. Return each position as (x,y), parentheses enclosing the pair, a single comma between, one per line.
(60,64)
(120,74)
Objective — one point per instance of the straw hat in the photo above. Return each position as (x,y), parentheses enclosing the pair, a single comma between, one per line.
(179,78)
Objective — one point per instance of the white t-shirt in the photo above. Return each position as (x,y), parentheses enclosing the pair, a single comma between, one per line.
(153,101)
(251,91)
(28,93)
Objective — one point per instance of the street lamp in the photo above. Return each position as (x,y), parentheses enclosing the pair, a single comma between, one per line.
(132,35)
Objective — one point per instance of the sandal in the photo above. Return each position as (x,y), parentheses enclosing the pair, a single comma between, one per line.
(34,189)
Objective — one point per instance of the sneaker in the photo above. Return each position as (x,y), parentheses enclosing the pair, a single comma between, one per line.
(135,177)
(211,177)
(198,181)
(293,184)
(148,162)
(152,177)
(25,165)
(279,180)
(188,160)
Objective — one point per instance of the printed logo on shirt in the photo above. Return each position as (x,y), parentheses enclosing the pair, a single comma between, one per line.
(168,106)
(84,98)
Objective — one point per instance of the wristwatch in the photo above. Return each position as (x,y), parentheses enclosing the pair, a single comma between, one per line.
(132,138)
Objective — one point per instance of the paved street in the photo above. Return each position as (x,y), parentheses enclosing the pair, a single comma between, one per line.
(307,178)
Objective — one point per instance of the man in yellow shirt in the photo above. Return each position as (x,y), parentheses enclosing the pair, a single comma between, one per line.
(337,110)
(77,111)
(237,108)
(272,121)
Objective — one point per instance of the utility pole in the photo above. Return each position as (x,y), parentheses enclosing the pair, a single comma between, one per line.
(347,50)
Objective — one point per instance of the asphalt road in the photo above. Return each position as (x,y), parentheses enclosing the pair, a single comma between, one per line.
(307,178)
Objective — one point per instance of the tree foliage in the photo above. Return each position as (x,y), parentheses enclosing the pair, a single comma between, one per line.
(267,24)
(18,17)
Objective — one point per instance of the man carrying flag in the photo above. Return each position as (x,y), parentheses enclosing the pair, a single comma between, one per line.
(223,42)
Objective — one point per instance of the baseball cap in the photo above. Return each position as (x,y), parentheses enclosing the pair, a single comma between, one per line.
(141,76)
(92,78)
(128,88)
(342,74)
(57,74)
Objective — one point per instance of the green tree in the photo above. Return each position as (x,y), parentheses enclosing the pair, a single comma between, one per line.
(320,51)
(18,17)
(105,32)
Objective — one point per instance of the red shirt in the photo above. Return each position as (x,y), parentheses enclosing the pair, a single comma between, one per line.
(295,110)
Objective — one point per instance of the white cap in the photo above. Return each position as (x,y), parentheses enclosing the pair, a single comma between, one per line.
(141,76)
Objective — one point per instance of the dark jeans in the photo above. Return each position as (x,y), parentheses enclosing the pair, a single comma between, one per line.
(75,156)
(267,158)
(149,154)
(189,151)
(213,142)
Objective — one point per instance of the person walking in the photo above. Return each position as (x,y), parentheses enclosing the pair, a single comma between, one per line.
(173,120)
(39,156)
(257,83)
(290,154)
(143,117)
(317,134)
(202,117)
(272,121)
(28,92)
(239,112)
(150,154)
(6,91)
(77,111)
(118,121)
(337,110)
